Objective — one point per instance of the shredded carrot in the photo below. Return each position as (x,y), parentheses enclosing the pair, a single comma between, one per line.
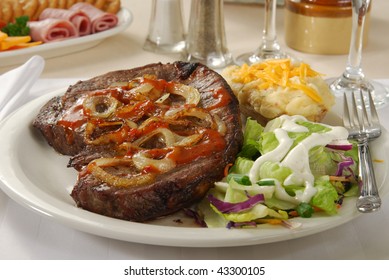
(317,209)
(293,213)
(227,169)
(339,178)
(269,221)
(15,42)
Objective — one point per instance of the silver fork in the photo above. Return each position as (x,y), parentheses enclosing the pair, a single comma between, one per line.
(364,127)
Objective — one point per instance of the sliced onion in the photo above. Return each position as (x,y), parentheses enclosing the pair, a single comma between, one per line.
(173,111)
(167,136)
(198,113)
(100,106)
(148,122)
(115,136)
(96,168)
(163,98)
(141,161)
(291,224)
(143,88)
(202,115)
(189,140)
(221,126)
(131,123)
(191,94)
(170,138)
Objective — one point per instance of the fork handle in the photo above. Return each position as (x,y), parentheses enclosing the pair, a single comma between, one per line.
(369,199)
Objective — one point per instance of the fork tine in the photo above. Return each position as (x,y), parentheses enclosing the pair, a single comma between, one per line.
(373,111)
(364,117)
(355,119)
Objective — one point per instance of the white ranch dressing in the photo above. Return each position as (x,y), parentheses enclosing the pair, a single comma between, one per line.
(275,155)
(297,159)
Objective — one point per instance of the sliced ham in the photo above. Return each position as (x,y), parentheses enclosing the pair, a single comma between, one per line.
(80,20)
(52,29)
(100,20)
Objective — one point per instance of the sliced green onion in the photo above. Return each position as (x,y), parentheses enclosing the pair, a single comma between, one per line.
(305,210)
(241,179)
(266,182)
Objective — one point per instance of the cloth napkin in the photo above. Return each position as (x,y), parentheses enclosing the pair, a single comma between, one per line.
(15,85)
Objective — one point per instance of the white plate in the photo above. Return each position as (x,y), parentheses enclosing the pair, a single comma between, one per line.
(36,177)
(64,47)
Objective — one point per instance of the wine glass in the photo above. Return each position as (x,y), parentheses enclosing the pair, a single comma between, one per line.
(353,78)
(269,48)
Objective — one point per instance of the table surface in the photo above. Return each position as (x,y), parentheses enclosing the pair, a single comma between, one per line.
(25,234)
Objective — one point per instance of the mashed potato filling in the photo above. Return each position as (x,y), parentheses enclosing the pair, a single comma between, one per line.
(275,87)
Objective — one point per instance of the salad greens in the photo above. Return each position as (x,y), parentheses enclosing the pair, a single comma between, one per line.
(290,168)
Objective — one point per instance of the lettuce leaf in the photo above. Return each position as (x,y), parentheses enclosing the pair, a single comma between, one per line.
(274,170)
(241,166)
(326,196)
(251,137)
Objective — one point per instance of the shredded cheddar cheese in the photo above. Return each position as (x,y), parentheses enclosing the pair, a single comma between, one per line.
(275,73)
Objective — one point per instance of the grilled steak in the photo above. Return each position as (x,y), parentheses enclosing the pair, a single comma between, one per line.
(146,141)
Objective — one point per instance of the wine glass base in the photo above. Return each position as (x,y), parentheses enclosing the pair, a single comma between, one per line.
(257,57)
(341,85)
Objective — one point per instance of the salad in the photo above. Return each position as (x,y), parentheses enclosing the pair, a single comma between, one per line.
(290,168)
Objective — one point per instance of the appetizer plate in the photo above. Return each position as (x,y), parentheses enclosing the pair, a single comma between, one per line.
(64,47)
(35,176)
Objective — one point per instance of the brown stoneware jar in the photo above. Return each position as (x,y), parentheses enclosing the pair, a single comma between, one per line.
(320,26)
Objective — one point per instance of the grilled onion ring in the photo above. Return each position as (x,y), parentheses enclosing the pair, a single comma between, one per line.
(96,167)
(100,106)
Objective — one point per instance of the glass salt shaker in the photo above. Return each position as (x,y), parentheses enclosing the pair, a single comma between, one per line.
(206,39)
(166,29)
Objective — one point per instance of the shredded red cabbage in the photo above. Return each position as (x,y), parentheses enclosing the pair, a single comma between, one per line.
(342,147)
(344,164)
(227,207)
(195,215)
(232,224)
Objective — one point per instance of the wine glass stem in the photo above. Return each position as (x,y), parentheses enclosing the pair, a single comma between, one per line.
(269,37)
(353,69)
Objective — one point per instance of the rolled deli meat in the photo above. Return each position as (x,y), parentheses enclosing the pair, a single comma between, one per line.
(100,20)
(52,29)
(80,20)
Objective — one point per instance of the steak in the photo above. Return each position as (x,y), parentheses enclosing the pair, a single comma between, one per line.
(147,141)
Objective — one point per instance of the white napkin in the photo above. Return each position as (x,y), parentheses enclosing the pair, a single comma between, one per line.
(15,84)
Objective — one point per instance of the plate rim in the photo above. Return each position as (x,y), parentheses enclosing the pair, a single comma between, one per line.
(144,233)
(125,20)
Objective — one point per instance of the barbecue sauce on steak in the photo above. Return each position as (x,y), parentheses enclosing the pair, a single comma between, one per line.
(146,141)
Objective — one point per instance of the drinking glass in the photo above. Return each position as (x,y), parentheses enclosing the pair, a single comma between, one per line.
(269,48)
(166,29)
(353,77)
